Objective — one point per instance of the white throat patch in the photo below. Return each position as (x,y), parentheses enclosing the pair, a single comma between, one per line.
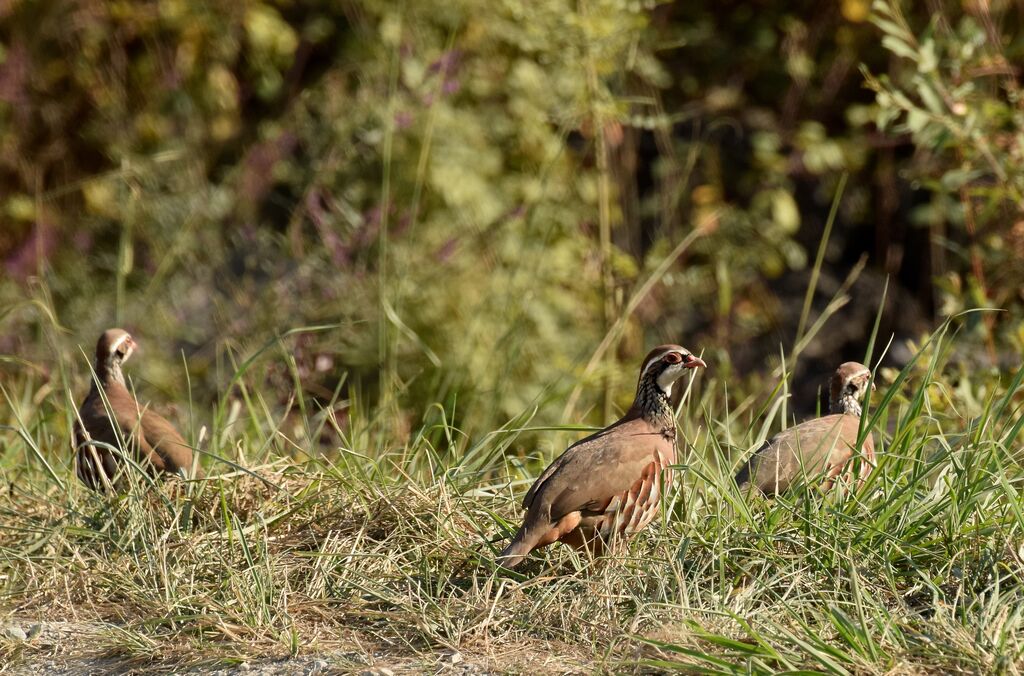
(668,378)
(117,346)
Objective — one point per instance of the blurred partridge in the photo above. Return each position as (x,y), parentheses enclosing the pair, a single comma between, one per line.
(820,448)
(607,486)
(140,433)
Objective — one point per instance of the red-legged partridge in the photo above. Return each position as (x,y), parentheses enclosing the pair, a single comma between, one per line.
(138,432)
(820,448)
(607,486)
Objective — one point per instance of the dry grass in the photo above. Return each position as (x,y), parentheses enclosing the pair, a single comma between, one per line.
(383,557)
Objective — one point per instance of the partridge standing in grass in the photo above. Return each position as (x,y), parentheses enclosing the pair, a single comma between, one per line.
(820,448)
(111,415)
(607,485)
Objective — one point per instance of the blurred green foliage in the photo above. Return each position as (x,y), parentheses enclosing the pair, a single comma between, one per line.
(956,94)
(431,179)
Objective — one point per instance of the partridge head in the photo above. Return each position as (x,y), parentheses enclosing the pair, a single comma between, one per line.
(111,415)
(113,349)
(847,388)
(607,486)
(818,449)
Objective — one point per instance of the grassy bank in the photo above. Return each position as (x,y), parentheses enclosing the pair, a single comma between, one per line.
(381,556)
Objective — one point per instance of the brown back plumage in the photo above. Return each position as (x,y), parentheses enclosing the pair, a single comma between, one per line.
(608,485)
(819,449)
(133,430)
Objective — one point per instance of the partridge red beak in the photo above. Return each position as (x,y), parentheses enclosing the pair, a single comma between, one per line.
(695,361)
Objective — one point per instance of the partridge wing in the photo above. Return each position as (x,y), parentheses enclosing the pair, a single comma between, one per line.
(166,443)
(593,472)
(809,449)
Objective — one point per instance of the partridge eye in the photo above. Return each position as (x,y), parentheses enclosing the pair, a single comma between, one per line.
(673,358)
